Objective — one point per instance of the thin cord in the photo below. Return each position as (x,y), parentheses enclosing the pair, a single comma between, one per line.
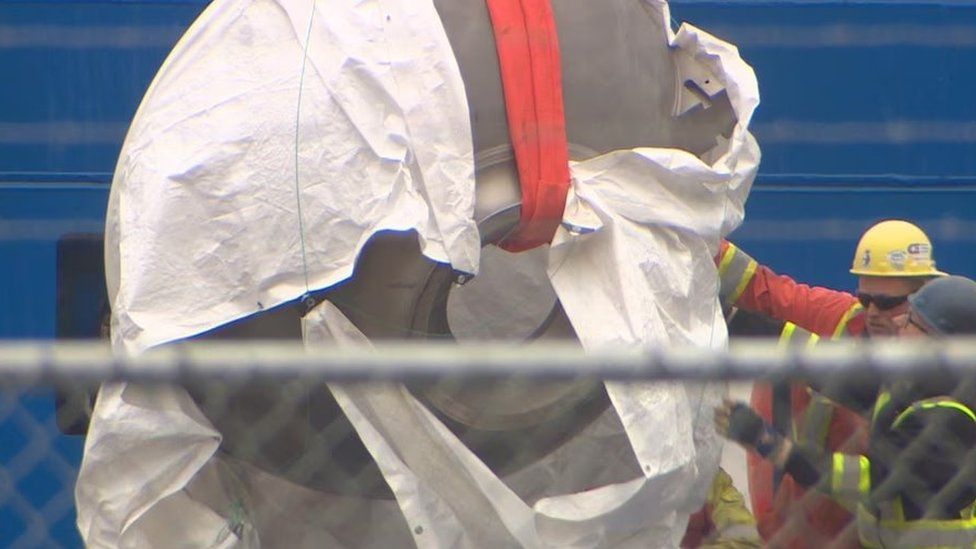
(298,112)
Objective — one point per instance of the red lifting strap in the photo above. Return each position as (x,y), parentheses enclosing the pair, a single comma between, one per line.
(528,54)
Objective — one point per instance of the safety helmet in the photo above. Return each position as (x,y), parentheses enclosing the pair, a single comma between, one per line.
(947,305)
(894,248)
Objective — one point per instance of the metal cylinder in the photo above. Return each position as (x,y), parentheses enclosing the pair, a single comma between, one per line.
(621,90)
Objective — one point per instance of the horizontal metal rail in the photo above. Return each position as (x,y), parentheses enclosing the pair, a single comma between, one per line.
(47,363)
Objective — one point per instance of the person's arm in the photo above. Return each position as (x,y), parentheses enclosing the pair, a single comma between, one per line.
(748,285)
(845,477)
(857,393)
(926,459)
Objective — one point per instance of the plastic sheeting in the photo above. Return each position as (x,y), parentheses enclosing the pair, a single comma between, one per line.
(668,209)
(204,223)
(152,477)
(203,229)
(451,499)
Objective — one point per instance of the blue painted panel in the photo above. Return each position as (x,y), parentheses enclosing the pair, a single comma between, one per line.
(75,73)
(36,506)
(810,233)
(854,87)
(79,71)
(891,77)
(32,219)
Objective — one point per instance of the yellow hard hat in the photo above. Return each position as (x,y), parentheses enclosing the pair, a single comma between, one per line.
(894,248)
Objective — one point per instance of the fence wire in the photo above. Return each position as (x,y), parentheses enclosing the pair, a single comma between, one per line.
(33,363)
(290,453)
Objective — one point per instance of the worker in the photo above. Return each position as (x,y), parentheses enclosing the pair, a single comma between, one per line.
(893,259)
(915,486)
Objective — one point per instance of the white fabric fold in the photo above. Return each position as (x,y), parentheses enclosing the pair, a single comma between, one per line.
(451,499)
(144,445)
(209,221)
(632,266)
(448,496)
(203,229)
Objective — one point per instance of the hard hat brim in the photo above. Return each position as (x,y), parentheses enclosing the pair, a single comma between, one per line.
(860,272)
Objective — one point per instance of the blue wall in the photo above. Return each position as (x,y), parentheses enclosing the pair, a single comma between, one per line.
(74,75)
(867,113)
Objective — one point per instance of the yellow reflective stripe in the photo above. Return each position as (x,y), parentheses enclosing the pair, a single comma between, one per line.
(787,334)
(842,325)
(892,510)
(723,265)
(791,334)
(864,476)
(936,402)
(735,271)
(837,474)
(931,524)
(744,282)
(883,399)
(850,478)
(892,532)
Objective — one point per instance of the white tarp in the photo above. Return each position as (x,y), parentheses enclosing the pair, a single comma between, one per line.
(203,229)
(668,209)
(204,225)
(456,501)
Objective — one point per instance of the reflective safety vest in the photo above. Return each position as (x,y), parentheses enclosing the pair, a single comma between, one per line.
(850,484)
(817,422)
(899,533)
(811,429)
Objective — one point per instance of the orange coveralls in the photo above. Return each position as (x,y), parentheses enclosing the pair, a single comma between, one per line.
(789,516)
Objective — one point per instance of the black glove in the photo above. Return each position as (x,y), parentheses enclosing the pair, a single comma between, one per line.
(742,424)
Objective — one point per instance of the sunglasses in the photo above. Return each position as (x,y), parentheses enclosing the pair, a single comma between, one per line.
(881,301)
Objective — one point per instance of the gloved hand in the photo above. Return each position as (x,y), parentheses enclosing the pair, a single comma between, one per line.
(737,421)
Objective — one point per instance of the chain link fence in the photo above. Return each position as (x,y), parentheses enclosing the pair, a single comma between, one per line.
(291,452)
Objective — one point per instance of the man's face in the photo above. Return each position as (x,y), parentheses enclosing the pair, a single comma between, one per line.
(882,321)
(910,327)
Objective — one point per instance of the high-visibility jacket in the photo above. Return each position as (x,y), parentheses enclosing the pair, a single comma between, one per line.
(882,484)
(724,522)
(787,514)
(754,287)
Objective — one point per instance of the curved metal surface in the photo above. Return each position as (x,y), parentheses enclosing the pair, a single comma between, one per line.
(622,89)
(533,313)
(621,86)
